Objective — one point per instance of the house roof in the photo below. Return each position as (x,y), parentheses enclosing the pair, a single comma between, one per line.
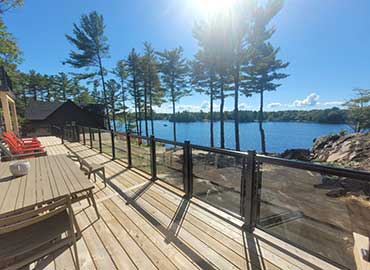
(40,110)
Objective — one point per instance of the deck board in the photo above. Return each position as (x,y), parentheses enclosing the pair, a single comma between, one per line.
(147,225)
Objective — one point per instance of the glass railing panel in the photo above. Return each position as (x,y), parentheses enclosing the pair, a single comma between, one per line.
(140,153)
(106,142)
(318,212)
(170,160)
(95,138)
(120,143)
(87,137)
(217,178)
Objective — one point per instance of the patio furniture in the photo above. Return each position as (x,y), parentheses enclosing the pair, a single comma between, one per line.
(17,149)
(29,234)
(22,142)
(7,155)
(49,178)
(92,168)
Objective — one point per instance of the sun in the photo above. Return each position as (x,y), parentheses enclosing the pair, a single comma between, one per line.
(210,7)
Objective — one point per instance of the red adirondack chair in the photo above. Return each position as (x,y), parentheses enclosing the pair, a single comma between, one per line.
(17,149)
(28,142)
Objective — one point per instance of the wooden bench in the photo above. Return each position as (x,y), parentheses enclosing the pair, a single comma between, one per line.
(92,168)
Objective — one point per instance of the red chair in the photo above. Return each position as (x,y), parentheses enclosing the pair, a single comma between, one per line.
(28,142)
(17,149)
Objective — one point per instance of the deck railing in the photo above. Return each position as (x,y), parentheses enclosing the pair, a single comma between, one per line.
(296,201)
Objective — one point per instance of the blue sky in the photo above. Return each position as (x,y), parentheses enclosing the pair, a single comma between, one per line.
(326,42)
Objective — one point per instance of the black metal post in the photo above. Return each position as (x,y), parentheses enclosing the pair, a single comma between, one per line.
(62,137)
(83,135)
(113,147)
(90,136)
(78,134)
(250,192)
(129,157)
(153,162)
(188,170)
(100,145)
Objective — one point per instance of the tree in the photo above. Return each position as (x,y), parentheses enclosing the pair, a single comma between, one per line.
(174,71)
(239,22)
(263,68)
(63,85)
(6,5)
(204,67)
(152,87)
(121,73)
(92,47)
(359,110)
(113,91)
(133,69)
(34,84)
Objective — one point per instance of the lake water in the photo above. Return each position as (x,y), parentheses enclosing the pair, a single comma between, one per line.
(279,135)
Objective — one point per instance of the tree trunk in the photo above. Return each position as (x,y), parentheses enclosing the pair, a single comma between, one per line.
(139,111)
(151,109)
(146,110)
(136,115)
(260,120)
(114,117)
(222,126)
(104,91)
(236,110)
(173,115)
(212,116)
(123,104)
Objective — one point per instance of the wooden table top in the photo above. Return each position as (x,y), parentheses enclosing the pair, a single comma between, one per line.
(50,177)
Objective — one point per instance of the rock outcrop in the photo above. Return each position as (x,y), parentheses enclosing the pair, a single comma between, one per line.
(351,151)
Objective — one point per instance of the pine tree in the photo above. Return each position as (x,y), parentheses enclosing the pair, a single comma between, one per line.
(133,70)
(204,66)
(63,86)
(92,46)
(263,69)
(113,91)
(174,71)
(152,87)
(121,73)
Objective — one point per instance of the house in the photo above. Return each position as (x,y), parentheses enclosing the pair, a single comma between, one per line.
(41,116)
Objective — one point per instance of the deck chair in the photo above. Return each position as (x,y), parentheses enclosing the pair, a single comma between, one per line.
(22,142)
(31,234)
(17,149)
(8,155)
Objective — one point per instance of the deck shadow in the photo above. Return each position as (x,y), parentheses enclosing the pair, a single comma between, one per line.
(139,192)
(252,251)
(177,220)
(197,259)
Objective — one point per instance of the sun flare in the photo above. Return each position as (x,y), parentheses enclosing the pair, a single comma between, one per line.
(209,7)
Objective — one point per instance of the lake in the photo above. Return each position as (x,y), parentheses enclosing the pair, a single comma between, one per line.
(279,135)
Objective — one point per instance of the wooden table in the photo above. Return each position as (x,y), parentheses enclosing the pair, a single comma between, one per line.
(49,178)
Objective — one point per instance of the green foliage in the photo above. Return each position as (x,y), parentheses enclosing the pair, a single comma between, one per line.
(359,110)
(6,5)
(317,116)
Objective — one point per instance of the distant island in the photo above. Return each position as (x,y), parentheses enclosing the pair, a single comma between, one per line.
(328,116)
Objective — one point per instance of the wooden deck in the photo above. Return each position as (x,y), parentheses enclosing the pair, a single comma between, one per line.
(146,225)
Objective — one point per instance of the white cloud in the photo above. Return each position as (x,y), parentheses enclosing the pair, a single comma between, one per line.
(333,103)
(244,106)
(311,100)
(274,105)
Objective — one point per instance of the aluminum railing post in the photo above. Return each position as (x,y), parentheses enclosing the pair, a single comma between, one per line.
(153,162)
(129,157)
(188,170)
(83,136)
(90,136)
(250,192)
(100,145)
(113,146)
